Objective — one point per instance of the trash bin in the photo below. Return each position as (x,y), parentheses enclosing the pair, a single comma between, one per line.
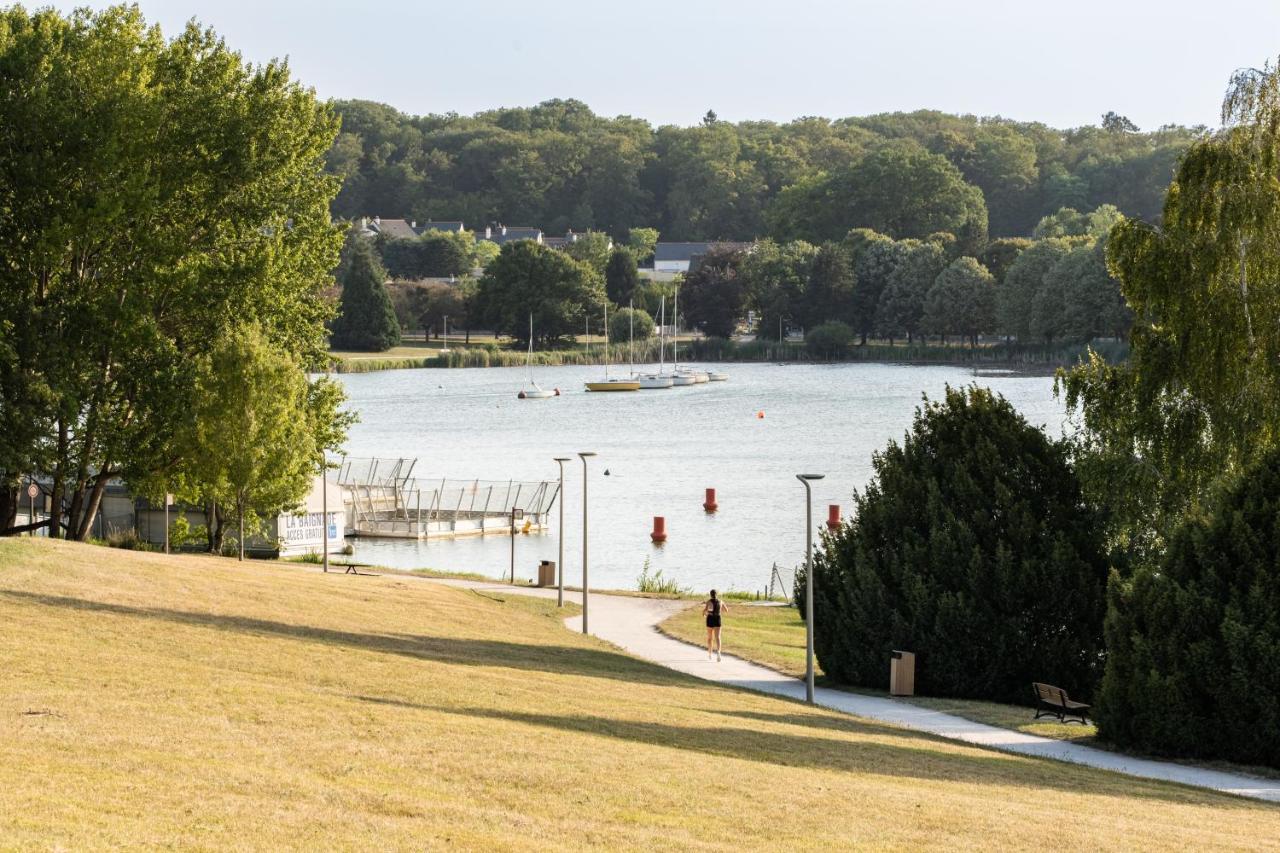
(547,573)
(902,674)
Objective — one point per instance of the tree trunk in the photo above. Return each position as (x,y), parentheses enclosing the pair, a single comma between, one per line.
(467,339)
(55,498)
(240,512)
(95,502)
(216,530)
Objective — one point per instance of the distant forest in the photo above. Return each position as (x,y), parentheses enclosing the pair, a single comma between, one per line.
(558,166)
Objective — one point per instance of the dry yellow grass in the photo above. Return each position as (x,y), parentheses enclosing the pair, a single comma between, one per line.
(184,701)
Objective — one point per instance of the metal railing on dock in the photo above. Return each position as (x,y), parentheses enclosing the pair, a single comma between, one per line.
(383,499)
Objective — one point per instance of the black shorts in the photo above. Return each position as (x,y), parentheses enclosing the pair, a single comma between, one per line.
(713,621)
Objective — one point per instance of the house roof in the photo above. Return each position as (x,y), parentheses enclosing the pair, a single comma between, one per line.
(679,251)
(440,226)
(396,229)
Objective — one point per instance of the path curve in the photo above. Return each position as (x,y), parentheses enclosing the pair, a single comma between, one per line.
(631,624)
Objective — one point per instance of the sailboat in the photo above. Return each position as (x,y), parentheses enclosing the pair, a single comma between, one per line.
(682,376)
(660,379)
(534,391)
(611,384)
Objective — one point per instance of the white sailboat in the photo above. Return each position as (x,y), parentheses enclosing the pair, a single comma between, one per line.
(661,379)
(609,383)
(534,391)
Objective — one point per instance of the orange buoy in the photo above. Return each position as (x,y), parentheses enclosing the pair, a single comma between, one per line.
(709,504)
(760,415)
(833,516)
(659,533)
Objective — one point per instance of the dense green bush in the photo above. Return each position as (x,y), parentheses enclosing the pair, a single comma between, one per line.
(830,340)
(973,548)
(1194,647)
(621,322)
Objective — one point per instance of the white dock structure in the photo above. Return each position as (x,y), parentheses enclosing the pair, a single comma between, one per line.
(382,498)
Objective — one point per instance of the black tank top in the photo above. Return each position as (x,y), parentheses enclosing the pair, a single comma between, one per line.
(715,607)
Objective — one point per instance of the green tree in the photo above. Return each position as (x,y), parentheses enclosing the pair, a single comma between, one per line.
(962,301)
(900,311)
(1000,254)
(529,278)
(1022,281)
(621,278)
(1092,305)
(1192,644)
(831,292)
(258,431)
(625,320)
(1071,223)
(714,294)
(592,248)
(642,242)
(776,277)
(483,252)
(1199,397)
(972,547)
(900,190)
(876,257)
(367,319)
(156,194)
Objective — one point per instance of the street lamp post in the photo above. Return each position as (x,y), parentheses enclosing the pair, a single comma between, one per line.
(808,583)
(324,512)
(560,460)
(584,456)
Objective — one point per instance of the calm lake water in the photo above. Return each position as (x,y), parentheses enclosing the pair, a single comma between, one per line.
(661,449)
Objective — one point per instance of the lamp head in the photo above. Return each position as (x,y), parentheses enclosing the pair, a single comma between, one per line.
(562,459)
(810,476)
(584,454)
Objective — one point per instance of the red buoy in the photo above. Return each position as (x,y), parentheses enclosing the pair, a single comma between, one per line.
(833,516)
(710,504)
(659,533)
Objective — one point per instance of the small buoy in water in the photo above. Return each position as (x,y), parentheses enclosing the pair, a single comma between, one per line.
(659,534)
(557,392)
(606,472)
(760,415)
(833,516)
(710,504)
(520,396)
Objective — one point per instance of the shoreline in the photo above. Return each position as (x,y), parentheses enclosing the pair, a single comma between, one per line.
(1015,358)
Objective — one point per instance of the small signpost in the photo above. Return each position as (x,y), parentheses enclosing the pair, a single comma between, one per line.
(168,499)
(516,515)
(32,491)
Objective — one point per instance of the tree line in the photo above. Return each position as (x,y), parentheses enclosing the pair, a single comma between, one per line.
(559,166)
(1048,290)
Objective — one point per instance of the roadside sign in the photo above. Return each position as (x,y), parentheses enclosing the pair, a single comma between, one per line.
(168,498)
(33,490)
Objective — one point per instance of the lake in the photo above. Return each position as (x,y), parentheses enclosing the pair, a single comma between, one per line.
(747,438)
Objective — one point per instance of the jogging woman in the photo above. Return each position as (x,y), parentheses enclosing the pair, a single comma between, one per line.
(712,608)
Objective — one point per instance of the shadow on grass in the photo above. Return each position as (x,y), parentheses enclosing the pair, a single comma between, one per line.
(919,760)
(564,660)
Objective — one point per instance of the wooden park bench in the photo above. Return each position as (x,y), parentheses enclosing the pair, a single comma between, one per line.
(352,567)
(1053,702)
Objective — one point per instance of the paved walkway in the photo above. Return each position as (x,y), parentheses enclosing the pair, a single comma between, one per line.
(631,623)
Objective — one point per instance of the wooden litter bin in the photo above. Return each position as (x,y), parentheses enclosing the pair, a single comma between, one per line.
(902,674)
(547,573)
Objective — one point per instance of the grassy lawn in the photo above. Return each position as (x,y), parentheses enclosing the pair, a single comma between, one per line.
(159,701)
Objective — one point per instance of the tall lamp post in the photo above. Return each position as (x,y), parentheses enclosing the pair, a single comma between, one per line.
(808,583)
(560,460)
(324,512)
(584,456)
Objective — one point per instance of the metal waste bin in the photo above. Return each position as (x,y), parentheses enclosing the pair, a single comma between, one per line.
(902,674)
(547,573)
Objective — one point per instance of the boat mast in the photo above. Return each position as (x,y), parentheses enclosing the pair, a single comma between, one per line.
(675,333)
(662,336)
(631,343)
(606,340)
(530,360)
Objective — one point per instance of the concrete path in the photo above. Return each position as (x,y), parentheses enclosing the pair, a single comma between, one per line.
(631,624)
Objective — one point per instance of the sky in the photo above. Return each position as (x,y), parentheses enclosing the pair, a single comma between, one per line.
(669,61)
